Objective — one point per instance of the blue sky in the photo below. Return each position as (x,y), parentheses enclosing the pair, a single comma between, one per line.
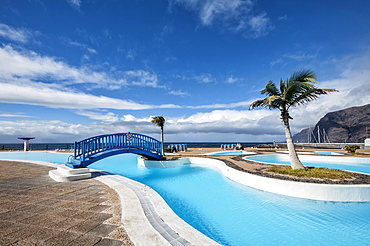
(71,69)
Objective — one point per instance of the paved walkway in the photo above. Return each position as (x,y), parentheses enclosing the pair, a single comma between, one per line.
(36,210)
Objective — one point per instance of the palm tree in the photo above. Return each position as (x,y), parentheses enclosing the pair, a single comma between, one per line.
(297,90)
(159,121)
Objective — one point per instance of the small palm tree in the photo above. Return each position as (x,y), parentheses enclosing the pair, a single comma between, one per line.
(297,90)
(159,121)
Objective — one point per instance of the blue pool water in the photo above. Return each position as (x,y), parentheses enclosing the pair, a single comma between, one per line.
(336,162)
(228,153)
(326,153)
(234,214)
(35,156)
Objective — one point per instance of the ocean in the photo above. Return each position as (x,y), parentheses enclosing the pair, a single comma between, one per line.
(70,146)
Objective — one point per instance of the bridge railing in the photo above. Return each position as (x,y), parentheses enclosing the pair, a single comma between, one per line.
(95,145)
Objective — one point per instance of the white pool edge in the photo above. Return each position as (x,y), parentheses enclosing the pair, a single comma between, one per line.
(323,192)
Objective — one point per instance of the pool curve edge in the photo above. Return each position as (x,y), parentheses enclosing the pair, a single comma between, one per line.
(322,192)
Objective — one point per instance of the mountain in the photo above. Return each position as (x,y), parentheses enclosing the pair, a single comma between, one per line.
(343,126)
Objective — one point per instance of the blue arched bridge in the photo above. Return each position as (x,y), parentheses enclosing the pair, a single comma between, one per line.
(96,148)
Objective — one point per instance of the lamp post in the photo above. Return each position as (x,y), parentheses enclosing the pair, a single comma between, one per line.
(25,143)
(367,140)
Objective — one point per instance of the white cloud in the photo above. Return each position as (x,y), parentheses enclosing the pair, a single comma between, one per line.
(218,121)
(32,66)
(278,61)
(50,131)
(222,9)
(142,78)
(105,117)
(260,25)
(131,118)
(131,54)
(75,3)
(15,115)
(209,10)
(204,78)
(218,106)
(232,15)
(170,59)
(179,93)
(47,96)
(232,80)
(81,46)
(353,84)
(221,123)
(301,56)
(10,33)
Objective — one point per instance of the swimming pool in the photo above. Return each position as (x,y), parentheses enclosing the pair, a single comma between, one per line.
(236,152)
(355,164)
(234,214)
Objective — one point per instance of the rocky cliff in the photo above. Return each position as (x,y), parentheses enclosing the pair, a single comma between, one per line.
(343,126)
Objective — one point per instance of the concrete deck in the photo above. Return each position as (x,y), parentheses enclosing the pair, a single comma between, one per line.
(36,210)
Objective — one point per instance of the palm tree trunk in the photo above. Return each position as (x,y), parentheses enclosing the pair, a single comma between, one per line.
(294,160)
(162,140)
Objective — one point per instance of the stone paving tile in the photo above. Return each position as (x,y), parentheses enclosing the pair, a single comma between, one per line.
(120,234)
(7,241)
(34,220)
(13,215)
(69,213)
(86,240)
(52,222)
(12,205)
(40,236)
(63,238)
(10,228)
(99,208)
(83,215)
(74,205)
(97,200)
(36,210)
(84,226)
(101,217)
(49,202)
(108,242)
(26,231)
(102,230)
(24,243)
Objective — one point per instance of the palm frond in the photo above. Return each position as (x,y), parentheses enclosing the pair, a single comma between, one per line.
(283,86)
(270,89)
(329,90)
(258,104)
(303,75)
(158,120)
(298,83)
(268,102)
(298,89)
(310,95)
